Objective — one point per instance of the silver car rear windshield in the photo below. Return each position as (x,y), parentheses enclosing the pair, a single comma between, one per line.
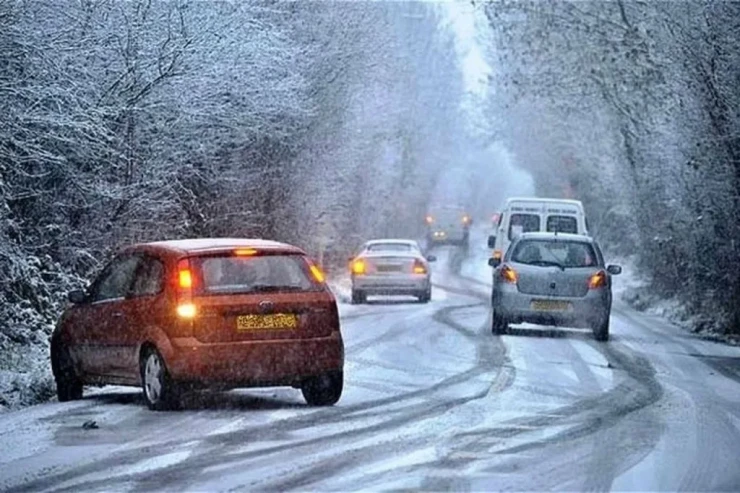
(230,274)
(390,247)
(561,253)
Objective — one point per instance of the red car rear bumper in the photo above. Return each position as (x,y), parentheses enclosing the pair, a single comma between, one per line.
(253,363)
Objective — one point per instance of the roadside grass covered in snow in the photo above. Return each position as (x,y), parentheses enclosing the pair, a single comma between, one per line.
(635,288)
(25,370)
(33,298)
(25,375)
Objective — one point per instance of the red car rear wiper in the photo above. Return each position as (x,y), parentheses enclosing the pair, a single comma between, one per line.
(273,288)
(547,262)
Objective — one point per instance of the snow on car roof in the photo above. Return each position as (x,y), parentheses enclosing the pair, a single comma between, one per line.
(391,240)
(543,199)
(542,235)
(195,244)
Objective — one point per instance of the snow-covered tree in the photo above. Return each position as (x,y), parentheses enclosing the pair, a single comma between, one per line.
(631,106)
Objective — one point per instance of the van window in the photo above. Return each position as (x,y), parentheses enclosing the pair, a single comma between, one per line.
(523,223)
(562,224)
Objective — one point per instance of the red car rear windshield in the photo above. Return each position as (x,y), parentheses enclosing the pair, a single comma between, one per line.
(230,274)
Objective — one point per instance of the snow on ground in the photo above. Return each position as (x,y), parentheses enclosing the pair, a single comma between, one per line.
(432,401)
(633,288)
(27,381)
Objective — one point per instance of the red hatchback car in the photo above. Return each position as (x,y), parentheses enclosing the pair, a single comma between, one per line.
(218,313)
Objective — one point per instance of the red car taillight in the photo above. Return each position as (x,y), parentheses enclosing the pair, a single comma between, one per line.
(185,306)
(317,274)
(598,280)
(509,275)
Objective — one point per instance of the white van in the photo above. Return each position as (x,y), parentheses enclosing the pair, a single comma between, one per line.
(522,215)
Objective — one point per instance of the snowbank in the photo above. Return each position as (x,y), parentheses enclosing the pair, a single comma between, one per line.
(25,376)
(634,288)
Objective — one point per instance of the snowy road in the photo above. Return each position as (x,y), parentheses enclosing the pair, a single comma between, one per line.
(432,401)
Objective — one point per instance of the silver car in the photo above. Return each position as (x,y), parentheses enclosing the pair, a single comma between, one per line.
(553,279)
(391,267)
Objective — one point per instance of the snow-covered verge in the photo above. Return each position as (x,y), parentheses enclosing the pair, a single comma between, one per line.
(635,288)
(28,380)
(25,370)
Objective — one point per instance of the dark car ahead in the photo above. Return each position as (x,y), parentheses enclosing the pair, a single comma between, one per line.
(553,279)
(220,313)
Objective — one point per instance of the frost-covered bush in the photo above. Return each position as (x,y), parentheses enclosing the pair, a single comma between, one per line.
(318,123)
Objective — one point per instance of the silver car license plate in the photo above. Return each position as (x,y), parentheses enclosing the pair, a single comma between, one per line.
(550,305)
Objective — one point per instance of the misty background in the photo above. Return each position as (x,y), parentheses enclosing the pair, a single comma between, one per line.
(324,124)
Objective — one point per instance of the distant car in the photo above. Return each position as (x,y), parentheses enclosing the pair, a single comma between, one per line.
(448,225)
(221,313)
(553,279)
(391,267)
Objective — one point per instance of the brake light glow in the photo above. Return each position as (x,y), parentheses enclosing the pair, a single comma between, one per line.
(185,307)
(429,219)
(185,279)
(186,310)
(358,267)
(419,267)
(317,274)
(598,280)
(245,252)
(508,274)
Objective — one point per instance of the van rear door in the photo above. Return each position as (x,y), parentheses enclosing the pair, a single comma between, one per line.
(564,218)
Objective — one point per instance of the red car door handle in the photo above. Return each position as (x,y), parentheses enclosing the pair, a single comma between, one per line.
(117,314)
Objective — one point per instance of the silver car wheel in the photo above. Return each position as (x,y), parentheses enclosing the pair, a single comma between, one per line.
(153,374)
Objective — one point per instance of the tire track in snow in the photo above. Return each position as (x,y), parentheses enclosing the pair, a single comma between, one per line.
(638,390)
(392,413)
(702,472)
(486,354)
